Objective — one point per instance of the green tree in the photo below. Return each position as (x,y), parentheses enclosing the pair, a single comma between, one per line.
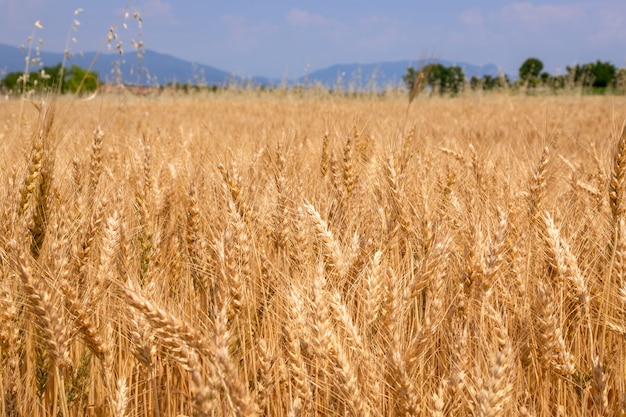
(594,74)
(437,77)
(440,78)
(530,70)
(80,80)
(444,79)
(620,80)
(489,82)
(455,79)
(48,79)
(11,80)
(603,73)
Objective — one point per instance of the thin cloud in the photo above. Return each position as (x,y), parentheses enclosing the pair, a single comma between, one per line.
(609,27)
(472,17)
(302,18)
(157,9)
(379,32)
(539,15)
(17,9)
(244,34)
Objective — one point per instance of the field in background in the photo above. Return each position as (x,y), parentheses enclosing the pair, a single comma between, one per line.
(313,255)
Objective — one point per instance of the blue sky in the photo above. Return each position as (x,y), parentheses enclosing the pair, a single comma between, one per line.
(281,38)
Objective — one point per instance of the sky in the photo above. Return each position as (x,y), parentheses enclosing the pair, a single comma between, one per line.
(285,39)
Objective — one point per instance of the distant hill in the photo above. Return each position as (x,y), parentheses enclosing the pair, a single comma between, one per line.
(159,69)
(154,68)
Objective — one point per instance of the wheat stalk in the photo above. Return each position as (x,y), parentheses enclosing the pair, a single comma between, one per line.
(618,173)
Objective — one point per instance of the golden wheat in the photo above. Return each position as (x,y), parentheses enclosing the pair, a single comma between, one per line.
(297,253)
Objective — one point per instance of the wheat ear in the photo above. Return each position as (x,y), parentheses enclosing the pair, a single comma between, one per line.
(333,255)
(552,344)
(495,393)
(599,388)
(618,174)
(55,337)
(10,346)
(538,185)
(565,262)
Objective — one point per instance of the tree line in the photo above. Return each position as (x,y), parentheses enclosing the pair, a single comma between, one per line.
(51,79)
(596,77)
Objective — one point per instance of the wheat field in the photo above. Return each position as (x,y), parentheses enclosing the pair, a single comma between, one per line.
(311,254)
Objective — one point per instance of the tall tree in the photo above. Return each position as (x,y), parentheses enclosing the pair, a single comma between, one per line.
(594,74)
(530,69)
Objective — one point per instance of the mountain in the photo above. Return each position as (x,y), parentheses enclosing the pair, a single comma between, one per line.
(155,68)
(382,74)
(159,69)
